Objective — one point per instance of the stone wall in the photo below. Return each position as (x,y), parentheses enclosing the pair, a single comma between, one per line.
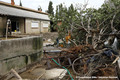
(17,53)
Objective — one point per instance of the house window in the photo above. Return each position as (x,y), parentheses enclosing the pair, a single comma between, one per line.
(35,25)
(45,24)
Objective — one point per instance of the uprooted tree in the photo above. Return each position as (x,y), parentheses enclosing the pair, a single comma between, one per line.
(87,28)
(87,25)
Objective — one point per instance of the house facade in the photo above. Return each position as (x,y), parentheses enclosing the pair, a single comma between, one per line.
(22,20)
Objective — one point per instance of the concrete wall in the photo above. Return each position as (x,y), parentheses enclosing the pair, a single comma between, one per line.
(3,22)
(18,53)
(30,29)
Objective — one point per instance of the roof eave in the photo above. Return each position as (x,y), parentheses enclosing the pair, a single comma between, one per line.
(26,17)
(23,8)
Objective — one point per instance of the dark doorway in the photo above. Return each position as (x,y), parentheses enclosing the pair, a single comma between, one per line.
(15,26)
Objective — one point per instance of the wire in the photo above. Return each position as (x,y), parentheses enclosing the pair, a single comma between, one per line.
(63,67)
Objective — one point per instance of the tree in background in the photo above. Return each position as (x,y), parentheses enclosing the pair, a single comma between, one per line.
(67,16)
(20,3)
(51,15)
(50,8)
(87,25)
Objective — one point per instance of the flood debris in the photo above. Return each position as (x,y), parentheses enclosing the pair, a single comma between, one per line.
(90,62)
(86,61)
(81,60)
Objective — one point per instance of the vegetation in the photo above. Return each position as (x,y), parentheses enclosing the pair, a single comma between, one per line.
(86,25)
(51,14)
(50,9)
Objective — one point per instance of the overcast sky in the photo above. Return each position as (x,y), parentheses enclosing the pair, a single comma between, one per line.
(34,4)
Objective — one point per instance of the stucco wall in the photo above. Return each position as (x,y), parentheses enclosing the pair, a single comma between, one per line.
(45,29)
(30,29)
(21,25)
(18,53)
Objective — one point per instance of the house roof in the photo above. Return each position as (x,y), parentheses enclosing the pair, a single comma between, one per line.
(18,11)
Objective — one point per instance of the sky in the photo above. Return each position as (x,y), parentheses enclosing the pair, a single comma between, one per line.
(34,4)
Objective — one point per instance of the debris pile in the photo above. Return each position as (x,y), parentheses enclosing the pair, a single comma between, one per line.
(86,61)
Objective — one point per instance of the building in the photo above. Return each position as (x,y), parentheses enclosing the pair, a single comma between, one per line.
(23,20)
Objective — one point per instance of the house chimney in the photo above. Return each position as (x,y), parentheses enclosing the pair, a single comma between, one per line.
(12,2)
